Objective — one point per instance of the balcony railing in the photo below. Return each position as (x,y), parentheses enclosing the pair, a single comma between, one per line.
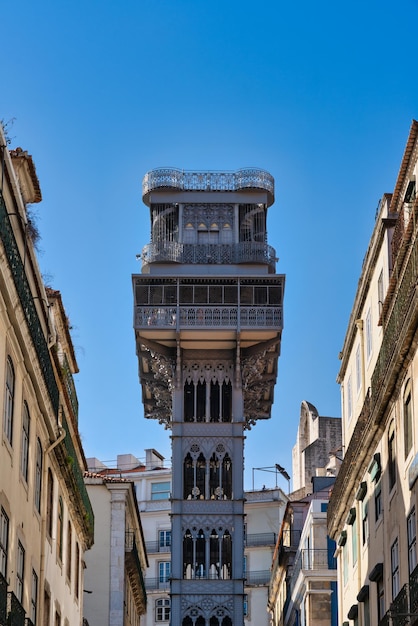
(70,387)
(16,612)
(260,539)
(153,547)
(156,584)
(256,578)
(75,480)
(404,608)
(27,302)
(172,178)
(134,566)
(217,254)
(3,600)
(208,316)
(313,560)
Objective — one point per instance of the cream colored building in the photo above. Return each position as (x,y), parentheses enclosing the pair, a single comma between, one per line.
(372,512)
(263,509)
(115,566)
(46,521)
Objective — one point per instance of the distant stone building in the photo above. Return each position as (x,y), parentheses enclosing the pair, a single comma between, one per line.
(46,519)
(115,566)
(303,585)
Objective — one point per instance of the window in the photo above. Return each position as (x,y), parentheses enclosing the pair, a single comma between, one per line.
(394,560)
(354,539)
(165,538)
(20,571)
(160,491)
(407,419)
(164,569)
(380,599)
(378,509)
(77,570)
(345,564)
(34,597)
(9,400)
(245,605)
(57,619)
(49,503)
(358,369)
(411,528)
(47,607)
(349,399)
(391,457)
(38,475)
(24,452)
(69,549)
(60,529)
(369,344)
(4,542)
(380,292)
(365,521)
(162,610)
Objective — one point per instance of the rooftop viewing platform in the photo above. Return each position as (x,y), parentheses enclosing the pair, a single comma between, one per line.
(181,180)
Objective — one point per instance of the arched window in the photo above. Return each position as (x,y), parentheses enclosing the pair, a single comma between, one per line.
(227,477)
(214,401)
(215,560)
(200,621)
(407,418)
(226,556)
(201,401)
(189,402)
(214,477)
(187,554)
(187,621)
(226,401)
(200,567)
(162,610)
(188,477)
(9,400)
(200,491)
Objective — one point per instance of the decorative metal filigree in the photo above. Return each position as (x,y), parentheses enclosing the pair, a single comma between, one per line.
(250,178)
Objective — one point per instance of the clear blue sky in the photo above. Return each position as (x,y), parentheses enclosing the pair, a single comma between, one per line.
(321,94)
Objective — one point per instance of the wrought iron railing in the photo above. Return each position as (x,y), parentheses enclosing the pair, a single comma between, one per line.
(260,539)
(153,547)
(208,316)
(217,254)
(70,386)
(77,485)
(3,600)
(27,302)
(314,559)
(156,584)
(130,547)
(250,178)
(255,578)
(16,612)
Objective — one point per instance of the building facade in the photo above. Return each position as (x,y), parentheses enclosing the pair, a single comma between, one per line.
(46,520)
(208,322)
(303,585)
(115,566)
(372,512)
(263,509)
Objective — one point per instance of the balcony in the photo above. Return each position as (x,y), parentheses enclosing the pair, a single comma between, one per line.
(404,608)
(154,547)
(214,254)
(180,180)
(257,579)
(260,539)
(16,612)
(133,566)
(26,298)
(313,560)
(186,317)
(156,584)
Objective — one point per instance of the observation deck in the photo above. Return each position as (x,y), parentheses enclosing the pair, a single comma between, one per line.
(181,180)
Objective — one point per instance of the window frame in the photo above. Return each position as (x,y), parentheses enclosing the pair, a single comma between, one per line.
(34,597)
(20,571)
(411,532)
(162,610)
(407,419)
(4,541)
(394,568)
(9,400)
(164,538)
(158,493)
(38,476)
(60,528)
(369,335)
(164,571)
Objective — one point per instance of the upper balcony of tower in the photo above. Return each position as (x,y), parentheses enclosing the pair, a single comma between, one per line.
(201,218)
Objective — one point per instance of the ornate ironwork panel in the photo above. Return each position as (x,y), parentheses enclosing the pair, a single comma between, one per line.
(26,300)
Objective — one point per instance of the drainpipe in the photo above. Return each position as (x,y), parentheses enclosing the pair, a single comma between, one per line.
(360,327)
(53,445)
